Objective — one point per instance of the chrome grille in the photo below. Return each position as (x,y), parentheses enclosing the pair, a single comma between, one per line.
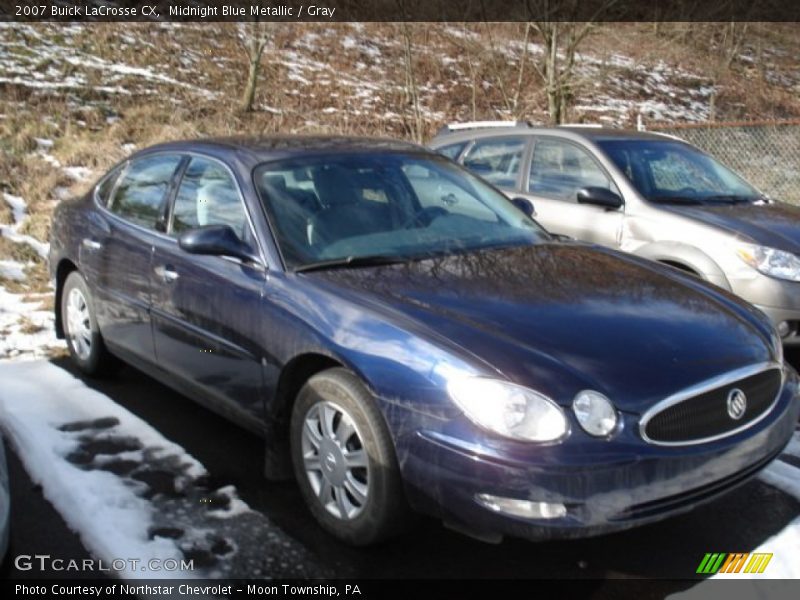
(703,413)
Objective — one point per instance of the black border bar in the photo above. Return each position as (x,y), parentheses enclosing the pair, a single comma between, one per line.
(399,10)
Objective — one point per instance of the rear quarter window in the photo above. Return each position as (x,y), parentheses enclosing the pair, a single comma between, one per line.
(106,185)
(140,194)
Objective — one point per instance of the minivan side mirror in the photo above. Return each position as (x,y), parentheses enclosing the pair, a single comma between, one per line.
(525,206)
(216,240)
(599,196)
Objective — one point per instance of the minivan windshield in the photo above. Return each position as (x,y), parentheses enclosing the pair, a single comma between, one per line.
(356,209)
(671,171)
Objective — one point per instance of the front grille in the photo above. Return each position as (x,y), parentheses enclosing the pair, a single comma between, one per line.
(706,415)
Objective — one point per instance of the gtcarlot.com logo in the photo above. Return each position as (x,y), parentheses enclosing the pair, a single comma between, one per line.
(736,562)
(44,562)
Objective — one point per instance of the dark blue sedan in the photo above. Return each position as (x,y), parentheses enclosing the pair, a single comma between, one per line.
(404,337)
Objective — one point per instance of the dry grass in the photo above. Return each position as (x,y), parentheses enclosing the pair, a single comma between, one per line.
(28,327)
(20,252)
(6,214)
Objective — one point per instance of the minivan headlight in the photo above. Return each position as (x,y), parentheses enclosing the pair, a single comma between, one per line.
(508,409)
(770,261)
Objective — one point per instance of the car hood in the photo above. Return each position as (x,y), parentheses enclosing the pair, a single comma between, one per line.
(562,317)
(776,224)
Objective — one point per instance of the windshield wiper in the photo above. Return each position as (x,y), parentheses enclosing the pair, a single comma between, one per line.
(732,198)
(675,200)
(371,260)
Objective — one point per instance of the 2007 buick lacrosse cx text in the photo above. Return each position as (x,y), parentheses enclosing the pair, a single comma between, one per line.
(407,339)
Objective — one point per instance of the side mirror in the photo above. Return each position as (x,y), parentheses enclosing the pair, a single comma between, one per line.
(216,240)
(525,206)
(599,196)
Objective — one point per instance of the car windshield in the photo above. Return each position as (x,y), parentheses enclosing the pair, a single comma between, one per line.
(355,209)
(671,171)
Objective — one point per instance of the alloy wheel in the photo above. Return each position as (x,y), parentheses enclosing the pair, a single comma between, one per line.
(79,328)
(335,460)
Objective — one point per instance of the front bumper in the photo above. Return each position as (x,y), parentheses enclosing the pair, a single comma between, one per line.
(778,299)
(605,485)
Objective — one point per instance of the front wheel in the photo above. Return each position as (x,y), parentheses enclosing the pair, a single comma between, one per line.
(85,344)
(344,460)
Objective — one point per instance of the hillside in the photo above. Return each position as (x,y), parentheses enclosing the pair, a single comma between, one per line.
(77,98)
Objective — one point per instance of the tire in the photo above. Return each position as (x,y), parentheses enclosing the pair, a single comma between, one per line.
(84,342)
(362,505)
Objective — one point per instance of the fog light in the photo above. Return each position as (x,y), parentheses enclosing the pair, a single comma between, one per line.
(522,508)
(784,329)
(595,413)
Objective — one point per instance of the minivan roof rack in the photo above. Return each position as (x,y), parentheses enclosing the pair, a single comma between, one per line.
(450,127)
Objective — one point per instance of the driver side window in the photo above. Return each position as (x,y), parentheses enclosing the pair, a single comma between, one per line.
(208,195)
(559,169)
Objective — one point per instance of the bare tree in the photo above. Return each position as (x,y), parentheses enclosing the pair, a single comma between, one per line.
(416,125)
(561,39)
(253,36)
(728,40)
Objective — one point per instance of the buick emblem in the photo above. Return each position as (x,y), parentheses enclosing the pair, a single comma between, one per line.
(737,404)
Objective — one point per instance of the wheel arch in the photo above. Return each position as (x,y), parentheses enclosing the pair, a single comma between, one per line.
(64,268)
(686,258)
(294,374)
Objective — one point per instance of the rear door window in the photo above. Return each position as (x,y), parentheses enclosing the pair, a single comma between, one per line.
(141,192)
(497,160)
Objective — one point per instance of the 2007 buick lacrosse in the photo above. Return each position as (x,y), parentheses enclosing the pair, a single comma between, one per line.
(405,338)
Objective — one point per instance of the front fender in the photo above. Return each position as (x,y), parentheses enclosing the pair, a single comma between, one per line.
(686,255)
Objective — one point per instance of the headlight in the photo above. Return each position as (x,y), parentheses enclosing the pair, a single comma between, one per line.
(595,413)
(769,261)
(511,410)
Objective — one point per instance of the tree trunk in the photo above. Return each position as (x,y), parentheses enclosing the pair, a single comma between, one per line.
(250,88)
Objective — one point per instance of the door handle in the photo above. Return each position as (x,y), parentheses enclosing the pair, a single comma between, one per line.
(167,273)
(91,244)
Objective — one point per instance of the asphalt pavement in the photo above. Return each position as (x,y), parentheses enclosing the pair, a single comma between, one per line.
(665,551)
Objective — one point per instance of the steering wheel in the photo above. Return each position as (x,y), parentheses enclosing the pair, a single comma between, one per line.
(424,216)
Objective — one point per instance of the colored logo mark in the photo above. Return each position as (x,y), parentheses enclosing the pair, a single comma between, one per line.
(736,562)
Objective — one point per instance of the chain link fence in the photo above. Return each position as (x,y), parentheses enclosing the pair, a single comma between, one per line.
(767,154)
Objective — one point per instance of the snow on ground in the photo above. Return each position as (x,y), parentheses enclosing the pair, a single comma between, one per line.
(18,208)
(129,492)
(25,329)
(783,545)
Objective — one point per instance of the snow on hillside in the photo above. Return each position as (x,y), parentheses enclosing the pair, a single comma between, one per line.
(365,79)
(51,58)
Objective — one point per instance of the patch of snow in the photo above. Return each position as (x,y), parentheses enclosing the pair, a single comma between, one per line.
(18,207)
(12,269)
(38,397)
(129,492)
(78,173)
(14,343)
(11,232)
(43,144)
(783,476)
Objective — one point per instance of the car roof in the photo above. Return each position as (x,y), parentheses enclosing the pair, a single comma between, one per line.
(565,131)
(261,148)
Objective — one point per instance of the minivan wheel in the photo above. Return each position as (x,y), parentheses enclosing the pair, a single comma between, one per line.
(344,460)
(84,342)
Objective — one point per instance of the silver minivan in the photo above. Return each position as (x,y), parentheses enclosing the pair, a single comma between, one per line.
(653,195)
